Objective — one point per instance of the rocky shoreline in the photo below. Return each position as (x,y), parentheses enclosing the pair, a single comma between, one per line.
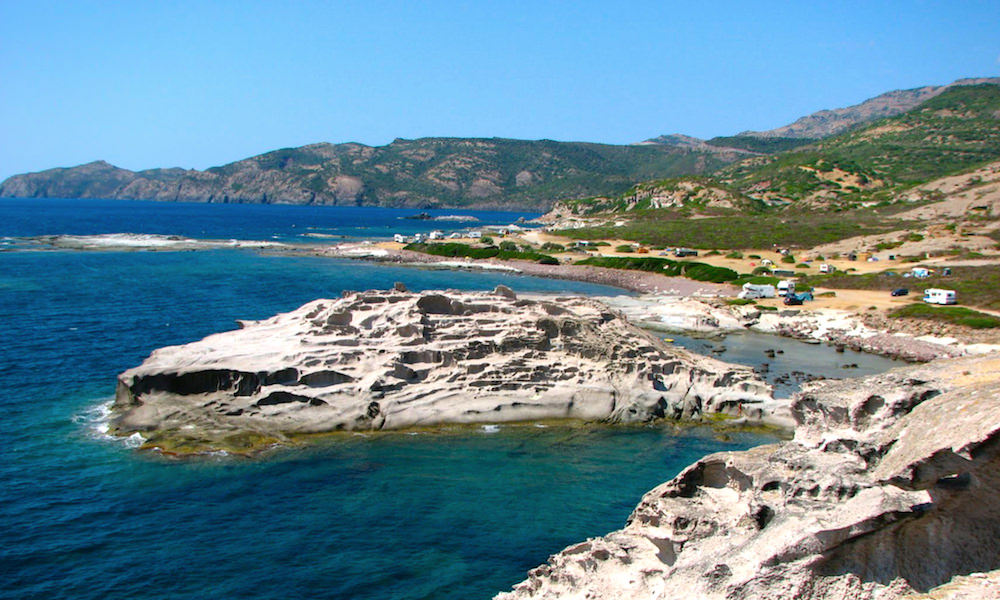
(888,489)
(634,281)
(677,303)
(395,360)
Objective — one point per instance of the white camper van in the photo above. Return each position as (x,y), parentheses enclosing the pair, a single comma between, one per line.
(939,296)
(786,287)
(752,291)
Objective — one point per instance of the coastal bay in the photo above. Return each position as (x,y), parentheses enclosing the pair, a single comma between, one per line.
(447,512)
(77,318)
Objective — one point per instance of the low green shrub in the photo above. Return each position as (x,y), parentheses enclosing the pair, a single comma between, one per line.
(691,270)
(457,250)
(703,272)
(958,315)
(879,247)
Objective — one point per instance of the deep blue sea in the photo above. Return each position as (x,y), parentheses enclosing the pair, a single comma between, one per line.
(461,513)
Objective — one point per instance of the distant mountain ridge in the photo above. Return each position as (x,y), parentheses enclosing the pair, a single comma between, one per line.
(827,123)
(879,163)
(423,173)
(471,172)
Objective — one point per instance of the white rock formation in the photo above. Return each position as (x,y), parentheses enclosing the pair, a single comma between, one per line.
(890,487)
(390,360)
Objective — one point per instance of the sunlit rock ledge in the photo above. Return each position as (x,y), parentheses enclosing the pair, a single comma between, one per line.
(888,489)
(394,360)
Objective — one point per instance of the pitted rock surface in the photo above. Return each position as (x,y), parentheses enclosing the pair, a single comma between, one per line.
(394,359)
(889,488)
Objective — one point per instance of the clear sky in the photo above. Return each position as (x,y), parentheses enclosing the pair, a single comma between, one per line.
(195,84)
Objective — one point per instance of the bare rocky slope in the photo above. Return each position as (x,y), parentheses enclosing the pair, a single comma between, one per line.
(392,360)
(889,488)
(830,122)
(826,123)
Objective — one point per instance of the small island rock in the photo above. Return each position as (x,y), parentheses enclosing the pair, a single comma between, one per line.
(394,359)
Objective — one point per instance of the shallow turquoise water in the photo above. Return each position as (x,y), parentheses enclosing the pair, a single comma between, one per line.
(460,513)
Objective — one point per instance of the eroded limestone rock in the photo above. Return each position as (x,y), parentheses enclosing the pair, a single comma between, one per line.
(394,359)
(889,487)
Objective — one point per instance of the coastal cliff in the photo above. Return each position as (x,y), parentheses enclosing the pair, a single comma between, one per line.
(394,359)
(889,488)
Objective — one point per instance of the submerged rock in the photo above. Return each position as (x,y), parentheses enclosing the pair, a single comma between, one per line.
(889,488)
(394,359)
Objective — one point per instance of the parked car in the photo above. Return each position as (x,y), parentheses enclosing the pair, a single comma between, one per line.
(793,300)
(900,292)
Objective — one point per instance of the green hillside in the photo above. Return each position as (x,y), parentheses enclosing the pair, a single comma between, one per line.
(429,172)
(951,133)
(954,132)
(828,190)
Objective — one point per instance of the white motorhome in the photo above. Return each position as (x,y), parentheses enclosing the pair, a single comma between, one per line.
(786,287)
(939,296)
(827,268)
(753,290)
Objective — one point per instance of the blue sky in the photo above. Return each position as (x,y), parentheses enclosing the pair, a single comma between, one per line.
(146,84)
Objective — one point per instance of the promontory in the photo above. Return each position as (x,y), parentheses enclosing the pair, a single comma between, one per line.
(395,359)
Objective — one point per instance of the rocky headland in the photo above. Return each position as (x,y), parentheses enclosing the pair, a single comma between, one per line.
(394,359)
(888,489)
